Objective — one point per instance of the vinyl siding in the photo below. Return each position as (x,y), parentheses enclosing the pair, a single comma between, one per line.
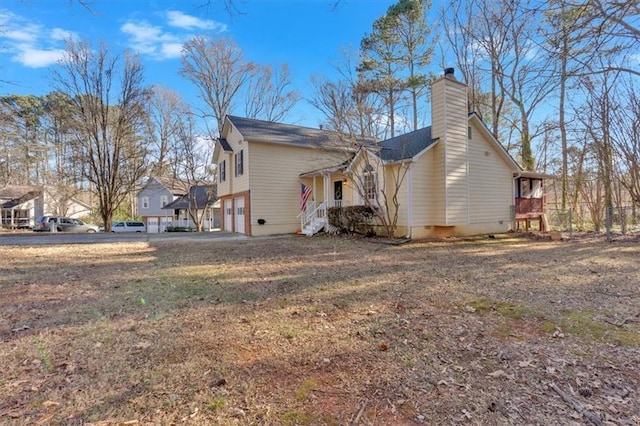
(275,183)
(490,182)
(233,184)
(450,125)
(436,189)
(154,190)
(424,188)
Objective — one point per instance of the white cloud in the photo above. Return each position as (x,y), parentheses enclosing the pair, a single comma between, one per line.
(158,43)
(27,34)
(150,40)
(38,58)
(187,22)
(62,34)
(172,50)
(29,43)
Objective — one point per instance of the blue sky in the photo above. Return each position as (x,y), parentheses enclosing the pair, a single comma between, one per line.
(308,35)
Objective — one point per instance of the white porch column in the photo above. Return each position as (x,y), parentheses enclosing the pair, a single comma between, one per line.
(315,197)
(327,181)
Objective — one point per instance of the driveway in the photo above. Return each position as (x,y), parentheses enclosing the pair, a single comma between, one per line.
(46,238)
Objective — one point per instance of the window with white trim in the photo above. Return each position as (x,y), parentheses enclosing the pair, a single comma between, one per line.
(370,183)
(145,202)
(163,200)
(239,163)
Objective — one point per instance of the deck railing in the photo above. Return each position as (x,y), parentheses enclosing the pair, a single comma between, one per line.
(529,205)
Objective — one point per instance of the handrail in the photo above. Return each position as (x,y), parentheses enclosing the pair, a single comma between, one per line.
(311,213)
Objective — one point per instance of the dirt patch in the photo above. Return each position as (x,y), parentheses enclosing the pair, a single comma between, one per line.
(323,330)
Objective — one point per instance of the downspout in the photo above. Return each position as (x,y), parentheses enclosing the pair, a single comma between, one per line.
(409,200)
(513,198)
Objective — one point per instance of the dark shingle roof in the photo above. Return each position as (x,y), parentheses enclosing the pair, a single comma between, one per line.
(406,146)
(200,196)
(225,144)
(266,131)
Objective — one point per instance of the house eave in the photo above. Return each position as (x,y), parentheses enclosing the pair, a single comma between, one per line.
(533,175)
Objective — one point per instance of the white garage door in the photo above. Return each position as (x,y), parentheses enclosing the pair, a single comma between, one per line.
(228,216)
(152,225)
(240,215)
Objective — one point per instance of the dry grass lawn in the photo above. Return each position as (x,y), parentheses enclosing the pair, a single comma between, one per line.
(321,331)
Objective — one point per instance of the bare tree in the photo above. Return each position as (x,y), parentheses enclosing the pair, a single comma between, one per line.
(378,185)
(166,112)
(191,156)
(346,108)
(218,69)
(267,96)
(109,97)
(625,139)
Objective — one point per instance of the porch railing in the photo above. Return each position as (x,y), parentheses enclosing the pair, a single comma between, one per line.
(314,218)
(338,203)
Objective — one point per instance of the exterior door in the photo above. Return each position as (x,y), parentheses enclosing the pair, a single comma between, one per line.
(152,225)
(239,215)
(337,193)
(228,216)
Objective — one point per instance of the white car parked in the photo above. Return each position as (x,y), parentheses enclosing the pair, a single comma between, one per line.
(128,226)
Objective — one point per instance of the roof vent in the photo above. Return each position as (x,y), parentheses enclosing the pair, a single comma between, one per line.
(449,73)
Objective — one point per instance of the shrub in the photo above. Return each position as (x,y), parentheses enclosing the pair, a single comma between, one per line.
(178,229)
(353,219)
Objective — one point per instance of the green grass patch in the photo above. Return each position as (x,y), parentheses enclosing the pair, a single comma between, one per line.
(300,418)
(504,309)
(585,325)
(305,389)
(217,404)
(43,354)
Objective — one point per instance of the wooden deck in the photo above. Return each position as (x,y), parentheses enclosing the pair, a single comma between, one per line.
(530,210)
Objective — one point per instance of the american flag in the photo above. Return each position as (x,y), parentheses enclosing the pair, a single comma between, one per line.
(305,193)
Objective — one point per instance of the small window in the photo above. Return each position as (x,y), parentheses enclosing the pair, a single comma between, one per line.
(239,163)
(163,201)
(145,202)
(223,170)
(469,133)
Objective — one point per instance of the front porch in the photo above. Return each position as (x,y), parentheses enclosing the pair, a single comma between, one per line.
(329,188)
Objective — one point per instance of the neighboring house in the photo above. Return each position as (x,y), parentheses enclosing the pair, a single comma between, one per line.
(155,194)
(200,204)
(21,205)
(455,177)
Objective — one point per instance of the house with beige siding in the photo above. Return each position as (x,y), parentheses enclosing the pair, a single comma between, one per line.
(452,178)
